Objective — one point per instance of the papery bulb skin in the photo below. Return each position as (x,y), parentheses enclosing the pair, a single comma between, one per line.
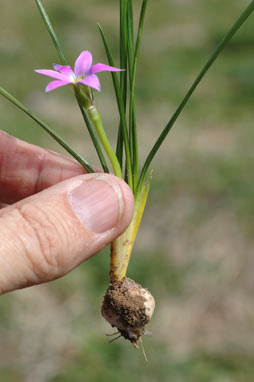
(128,307)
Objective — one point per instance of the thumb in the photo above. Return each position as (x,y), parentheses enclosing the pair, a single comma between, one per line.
(45,236)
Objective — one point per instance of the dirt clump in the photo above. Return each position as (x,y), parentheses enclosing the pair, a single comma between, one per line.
(128,307)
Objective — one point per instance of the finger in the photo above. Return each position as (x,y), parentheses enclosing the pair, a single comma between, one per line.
(3,205)
(26,169)
(47,235)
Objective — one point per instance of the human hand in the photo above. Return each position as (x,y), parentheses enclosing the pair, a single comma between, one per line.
(54,216)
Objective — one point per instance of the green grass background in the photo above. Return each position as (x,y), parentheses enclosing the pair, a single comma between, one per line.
(196,244)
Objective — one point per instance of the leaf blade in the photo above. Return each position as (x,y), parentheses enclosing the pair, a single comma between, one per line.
(220,47)
(121,109)
(51,31)
(48,129)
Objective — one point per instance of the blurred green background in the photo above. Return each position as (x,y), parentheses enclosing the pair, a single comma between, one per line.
(196,244)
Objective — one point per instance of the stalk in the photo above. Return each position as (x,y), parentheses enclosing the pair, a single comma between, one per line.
(121,248)
(91,115)
(96,120)
(82,101)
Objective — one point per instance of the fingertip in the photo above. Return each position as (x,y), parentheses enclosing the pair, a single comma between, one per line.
(102,202)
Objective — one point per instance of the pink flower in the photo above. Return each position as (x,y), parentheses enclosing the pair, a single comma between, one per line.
(83,73)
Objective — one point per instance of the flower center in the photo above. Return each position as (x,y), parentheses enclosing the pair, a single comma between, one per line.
(78,79)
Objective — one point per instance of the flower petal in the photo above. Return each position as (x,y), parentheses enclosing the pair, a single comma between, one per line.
(52,73)
(102,68)
(65,70)
(92,81)
(83,63)
(56,84)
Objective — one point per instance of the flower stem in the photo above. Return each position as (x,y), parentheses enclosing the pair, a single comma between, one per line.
(96,120)
(82,101)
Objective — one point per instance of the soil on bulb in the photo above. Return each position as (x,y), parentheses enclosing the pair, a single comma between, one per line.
(125,307)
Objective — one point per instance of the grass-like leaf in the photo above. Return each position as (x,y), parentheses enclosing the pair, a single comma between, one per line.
(50,131)
(123,48)
(123,74)
(229,35)
(133,68)
(139,34)
(121,108)
(132,119)
(51,31)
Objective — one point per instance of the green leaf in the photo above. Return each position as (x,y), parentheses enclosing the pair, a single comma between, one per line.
(139,35)
(120,103)
(51,132)
(133,67)
(123,74)
(132,118)
(223,43)
(123,49)
(51,31)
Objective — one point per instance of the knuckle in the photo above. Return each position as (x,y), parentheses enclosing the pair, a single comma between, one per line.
(45,240)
